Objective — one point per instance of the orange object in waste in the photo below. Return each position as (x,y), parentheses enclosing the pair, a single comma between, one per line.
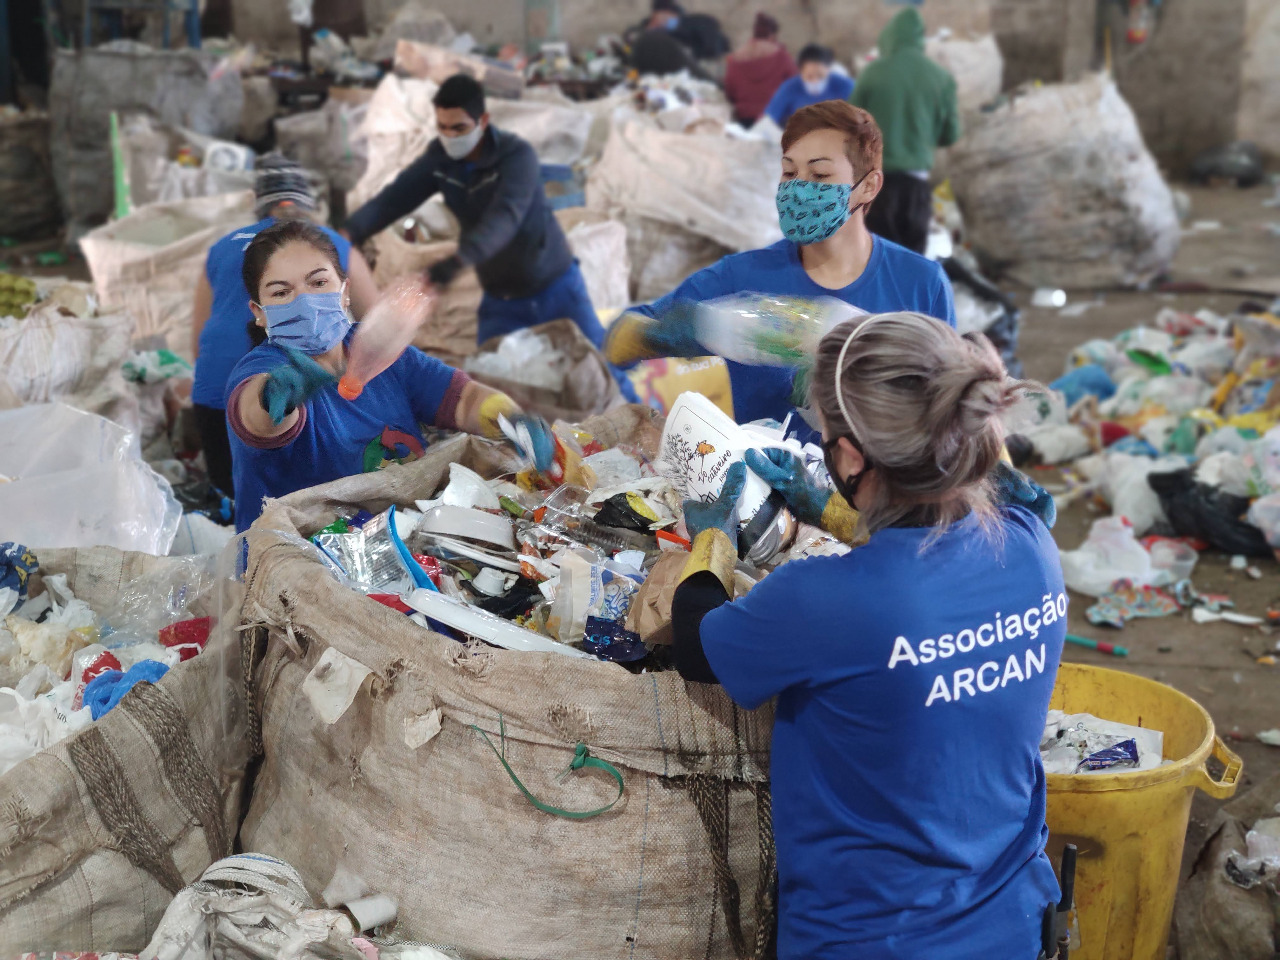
(384,333)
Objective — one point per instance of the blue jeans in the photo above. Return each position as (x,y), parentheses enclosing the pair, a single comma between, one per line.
(565,298)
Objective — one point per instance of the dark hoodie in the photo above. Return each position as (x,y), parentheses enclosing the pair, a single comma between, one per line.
(912,98)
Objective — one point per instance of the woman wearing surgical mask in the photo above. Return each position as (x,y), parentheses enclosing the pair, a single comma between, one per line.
(831,173)
(911,674)
(289,427)
(817,81)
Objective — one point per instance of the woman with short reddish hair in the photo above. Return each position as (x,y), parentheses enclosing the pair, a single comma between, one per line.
(831,174)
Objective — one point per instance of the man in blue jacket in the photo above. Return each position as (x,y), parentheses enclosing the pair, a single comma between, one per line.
(491,181)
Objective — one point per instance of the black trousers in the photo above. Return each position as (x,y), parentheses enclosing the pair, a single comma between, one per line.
(212,424)
(902,211)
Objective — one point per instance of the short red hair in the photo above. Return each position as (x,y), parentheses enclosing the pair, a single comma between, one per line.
(864,144)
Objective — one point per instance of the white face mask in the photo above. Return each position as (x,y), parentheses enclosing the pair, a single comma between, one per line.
(459,147)
(815,88)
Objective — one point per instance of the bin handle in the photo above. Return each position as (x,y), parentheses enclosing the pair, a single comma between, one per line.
(1226,787)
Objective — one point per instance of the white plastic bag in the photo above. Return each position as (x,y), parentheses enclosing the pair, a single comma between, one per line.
(1110,553)
(78,482)
(1265,515)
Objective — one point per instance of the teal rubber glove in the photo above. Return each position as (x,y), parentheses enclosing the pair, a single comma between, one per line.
(541,443)
(671,333)
(720,513)
(784,471)
(1014,487)
(676,331)
(291,384)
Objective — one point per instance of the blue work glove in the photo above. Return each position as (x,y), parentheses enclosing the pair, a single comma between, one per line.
(291,384)
(672,333)
(720,513)
(542,442)
(1013,486)
(784,471)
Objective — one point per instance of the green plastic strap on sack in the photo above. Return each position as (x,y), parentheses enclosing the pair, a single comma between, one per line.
(581,758)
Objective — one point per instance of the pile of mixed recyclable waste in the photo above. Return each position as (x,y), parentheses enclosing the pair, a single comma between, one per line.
(64,665)
(582,562)
(1176,428)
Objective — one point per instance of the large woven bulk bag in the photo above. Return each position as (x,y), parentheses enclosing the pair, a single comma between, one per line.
(178,87)
(1058,189)
(98,832)
(148,263)
(406,790)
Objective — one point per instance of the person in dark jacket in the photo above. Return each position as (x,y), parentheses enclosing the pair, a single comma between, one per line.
(491,181)
(699,33)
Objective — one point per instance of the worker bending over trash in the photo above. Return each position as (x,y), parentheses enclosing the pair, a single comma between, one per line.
(831,173)
(290,428)
(913,673)
(492,182)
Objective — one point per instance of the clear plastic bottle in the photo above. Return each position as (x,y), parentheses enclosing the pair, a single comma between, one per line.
(767,330)
(385,332)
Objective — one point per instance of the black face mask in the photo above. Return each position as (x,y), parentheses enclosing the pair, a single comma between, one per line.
(847,487)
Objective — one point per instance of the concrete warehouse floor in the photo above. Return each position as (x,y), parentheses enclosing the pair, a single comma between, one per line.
(1213,663)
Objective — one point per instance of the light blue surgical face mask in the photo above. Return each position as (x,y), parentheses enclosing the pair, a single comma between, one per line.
(810,212)
(312,322)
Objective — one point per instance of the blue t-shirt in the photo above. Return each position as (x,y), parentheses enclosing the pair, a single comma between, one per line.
(224,341)
(908,792)
(895,279)
(339,437)
(792,95)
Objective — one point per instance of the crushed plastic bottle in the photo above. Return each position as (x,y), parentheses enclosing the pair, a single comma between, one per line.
(385,332)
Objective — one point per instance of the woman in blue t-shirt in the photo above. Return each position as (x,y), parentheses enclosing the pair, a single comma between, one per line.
(832,170)
(289,427)
(913,673)
(220,315)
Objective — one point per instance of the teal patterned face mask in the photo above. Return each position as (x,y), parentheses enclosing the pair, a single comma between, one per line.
(810,212)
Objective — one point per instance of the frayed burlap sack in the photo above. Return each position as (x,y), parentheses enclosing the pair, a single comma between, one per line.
(1084,210)
(588,387)
(662,255)
(99,832)
(705,183)
(178,87)
(403,791)
(148,263)
(450,333)
(55,355)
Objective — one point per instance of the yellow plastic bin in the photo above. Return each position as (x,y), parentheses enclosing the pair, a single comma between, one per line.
(1130,827)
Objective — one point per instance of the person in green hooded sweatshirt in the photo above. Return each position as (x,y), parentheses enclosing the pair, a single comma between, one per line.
(913,101)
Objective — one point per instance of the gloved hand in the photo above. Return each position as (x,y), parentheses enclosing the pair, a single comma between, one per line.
(672,333)
(713,530)
(542,442)
(722,512)
(784,471)
(1012,486)
(443,272)
(809,501)
(291,384)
